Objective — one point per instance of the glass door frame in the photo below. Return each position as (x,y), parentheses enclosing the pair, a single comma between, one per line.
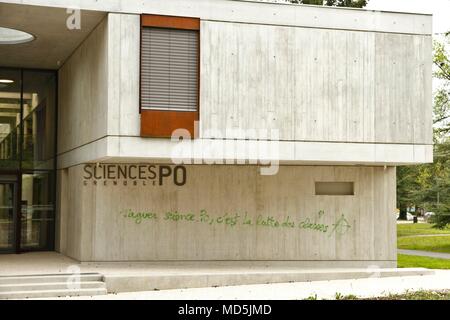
(15,178)
(18,172)
(52,232)
(11,177)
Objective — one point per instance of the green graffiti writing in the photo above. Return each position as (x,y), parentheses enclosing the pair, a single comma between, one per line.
(341,226)
(138,216)
(231,220)
(246,220)
(314,224)
(175,216)
(308,224)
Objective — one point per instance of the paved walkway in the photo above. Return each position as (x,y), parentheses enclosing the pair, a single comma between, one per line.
(52,262)
(369,287)
(421,253)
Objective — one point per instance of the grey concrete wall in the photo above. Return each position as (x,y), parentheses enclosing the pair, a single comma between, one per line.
(268,13)
(315,84)
(97,225)
(123,74)
(319,87)
(83,92)
(311,84)
(73,231)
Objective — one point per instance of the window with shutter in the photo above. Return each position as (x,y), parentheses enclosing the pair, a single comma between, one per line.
(169,69)
(169,74)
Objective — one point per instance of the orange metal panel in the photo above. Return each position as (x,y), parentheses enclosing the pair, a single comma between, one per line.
(150,20)
(161,123)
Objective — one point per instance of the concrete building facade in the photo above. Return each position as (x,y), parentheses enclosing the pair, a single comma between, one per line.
(217,131)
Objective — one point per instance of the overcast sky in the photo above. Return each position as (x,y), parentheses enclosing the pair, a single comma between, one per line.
(439,8)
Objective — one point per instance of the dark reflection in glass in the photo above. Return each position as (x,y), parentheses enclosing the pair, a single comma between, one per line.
(37,207)
(10,98)
(6,216)
(27,159)
(39,120)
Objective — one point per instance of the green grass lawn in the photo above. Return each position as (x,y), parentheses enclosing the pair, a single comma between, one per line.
(406,261)
(414,229)
(434,244)
(409,236)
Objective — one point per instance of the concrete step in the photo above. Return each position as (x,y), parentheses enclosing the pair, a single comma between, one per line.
(47,278)
(52,293)
(51,286)
(177,279)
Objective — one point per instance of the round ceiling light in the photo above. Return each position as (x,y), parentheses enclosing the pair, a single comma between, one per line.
(13,36)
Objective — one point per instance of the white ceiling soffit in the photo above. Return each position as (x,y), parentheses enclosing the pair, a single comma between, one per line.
(53,41)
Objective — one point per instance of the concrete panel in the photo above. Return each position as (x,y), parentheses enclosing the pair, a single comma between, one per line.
(351,228)
(123,74)
(315,84)
(207,151)
(259,77)
(403,89)
(268,13)
(184,278)
(83,92)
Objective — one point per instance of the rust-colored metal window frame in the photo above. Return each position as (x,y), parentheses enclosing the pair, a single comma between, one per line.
(161,123)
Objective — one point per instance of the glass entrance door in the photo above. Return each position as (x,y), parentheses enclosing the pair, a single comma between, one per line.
(27,160)
(31,227)
(8,216)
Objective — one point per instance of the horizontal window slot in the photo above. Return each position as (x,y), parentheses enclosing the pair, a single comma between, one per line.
(335,188)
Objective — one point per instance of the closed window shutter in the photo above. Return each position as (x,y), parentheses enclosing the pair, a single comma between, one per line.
(169,69)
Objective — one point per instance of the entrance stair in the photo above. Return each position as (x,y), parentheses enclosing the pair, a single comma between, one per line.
(51,285)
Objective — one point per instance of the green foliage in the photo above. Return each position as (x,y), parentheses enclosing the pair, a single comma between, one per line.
(340,296)
(335,3)
(435,187)
(347,3)
(407,295)
(418,295)
(441,62)
(314,2)
(407,186)
(428,186)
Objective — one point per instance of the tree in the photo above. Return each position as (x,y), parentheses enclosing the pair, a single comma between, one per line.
(334,3)
(437,195)
(406,184)
(347,3)
(442,97)
(428,185)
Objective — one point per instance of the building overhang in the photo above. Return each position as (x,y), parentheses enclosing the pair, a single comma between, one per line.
(215,151)
(283,14)
(55,34)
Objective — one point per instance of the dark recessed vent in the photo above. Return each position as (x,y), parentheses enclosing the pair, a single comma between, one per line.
(334,189)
